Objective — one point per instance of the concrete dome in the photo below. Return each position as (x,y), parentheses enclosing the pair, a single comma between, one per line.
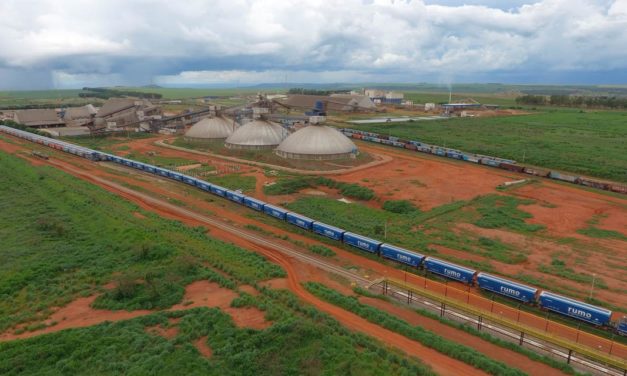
(210,128)
(316,142)
(257,134)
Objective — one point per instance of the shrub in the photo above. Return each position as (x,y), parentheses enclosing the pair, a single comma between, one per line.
(399,206)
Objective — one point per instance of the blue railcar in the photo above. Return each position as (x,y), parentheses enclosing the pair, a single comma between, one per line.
(275,211)
(175,175)
(401,255)
(328,230)
(137,165)
(361,242)
(575,309)
(563,177)
(299,220)
(162,172)
(621,326)
(235,196)
(217,190)
(253,203)
(452,271)
(189,180)
(507,288)
(150,168)
(203,185)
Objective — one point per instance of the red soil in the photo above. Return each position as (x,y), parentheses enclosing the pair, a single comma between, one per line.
(203,347)
(165,332)
(249,290)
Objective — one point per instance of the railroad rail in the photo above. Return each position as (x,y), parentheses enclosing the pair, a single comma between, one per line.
(523,332)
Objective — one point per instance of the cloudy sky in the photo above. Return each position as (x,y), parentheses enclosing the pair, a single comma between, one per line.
(74,43)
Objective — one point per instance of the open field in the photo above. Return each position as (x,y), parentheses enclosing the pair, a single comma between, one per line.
(85,253)
(583,142)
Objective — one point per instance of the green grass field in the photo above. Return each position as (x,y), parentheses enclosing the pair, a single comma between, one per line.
(590,143)
(63,238)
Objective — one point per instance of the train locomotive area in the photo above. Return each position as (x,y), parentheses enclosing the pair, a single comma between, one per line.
(510,254)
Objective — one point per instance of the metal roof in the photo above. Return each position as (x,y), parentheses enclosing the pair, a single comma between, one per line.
(79,112)
(113,105)
(257,133)
(317,140)
(211,128)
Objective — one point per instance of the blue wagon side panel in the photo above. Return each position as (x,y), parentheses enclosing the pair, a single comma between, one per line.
(189,180)
(506,288)
(401,255)
(235,197)
(452,271)
(575,309)
(217,190)
(253,203)
(328,230)
(275,211)
(299,220)
(361,242)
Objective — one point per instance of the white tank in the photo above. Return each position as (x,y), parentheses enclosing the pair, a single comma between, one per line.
(316,142)
(210,129)
(257,134)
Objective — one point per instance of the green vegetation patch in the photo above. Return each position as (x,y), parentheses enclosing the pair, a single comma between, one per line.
(399,206)
(241,182)
(595,232)
(427,338)
(63,238)
(502,212)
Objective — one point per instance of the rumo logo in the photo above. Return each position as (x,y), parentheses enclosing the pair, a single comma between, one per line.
(510,291)
(403,258)
(452,273)
(579,312)
(363,244)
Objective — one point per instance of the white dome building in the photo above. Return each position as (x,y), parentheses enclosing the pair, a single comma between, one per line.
(317,142)
(257,134)
(210,129)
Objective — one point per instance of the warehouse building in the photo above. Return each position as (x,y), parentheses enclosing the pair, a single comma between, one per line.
(317,142)
(38,118)
(336,102)
(257,134)
(79,116)
(213,128)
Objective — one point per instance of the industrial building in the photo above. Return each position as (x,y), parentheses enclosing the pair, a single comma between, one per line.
(335,102)
(257,134)
(38,118)
(317,142)
(79,116)
(382,96)
(213,128)
(120,113)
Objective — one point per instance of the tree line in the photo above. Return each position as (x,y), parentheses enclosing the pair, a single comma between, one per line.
(300,90)
(573,101)
(106,93)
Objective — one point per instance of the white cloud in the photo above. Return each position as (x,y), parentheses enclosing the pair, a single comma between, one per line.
(165,38)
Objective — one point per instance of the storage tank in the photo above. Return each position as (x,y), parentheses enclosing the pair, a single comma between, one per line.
(257,134)
(317,142)
(213,128)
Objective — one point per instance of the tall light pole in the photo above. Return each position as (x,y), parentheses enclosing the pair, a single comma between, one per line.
(594,275)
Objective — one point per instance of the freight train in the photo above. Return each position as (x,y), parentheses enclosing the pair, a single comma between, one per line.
(505,164)
(578,310)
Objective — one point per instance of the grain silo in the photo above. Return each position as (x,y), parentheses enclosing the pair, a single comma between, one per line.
(257,134)
(213,128)
(317,142)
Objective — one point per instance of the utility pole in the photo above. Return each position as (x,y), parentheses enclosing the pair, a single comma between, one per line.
(594,275)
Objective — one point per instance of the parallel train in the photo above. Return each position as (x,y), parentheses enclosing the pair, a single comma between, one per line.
(581,311)
(506,164)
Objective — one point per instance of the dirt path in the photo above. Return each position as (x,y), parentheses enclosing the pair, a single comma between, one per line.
(378,160)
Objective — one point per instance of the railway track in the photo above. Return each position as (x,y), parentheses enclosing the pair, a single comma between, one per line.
(254,238)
